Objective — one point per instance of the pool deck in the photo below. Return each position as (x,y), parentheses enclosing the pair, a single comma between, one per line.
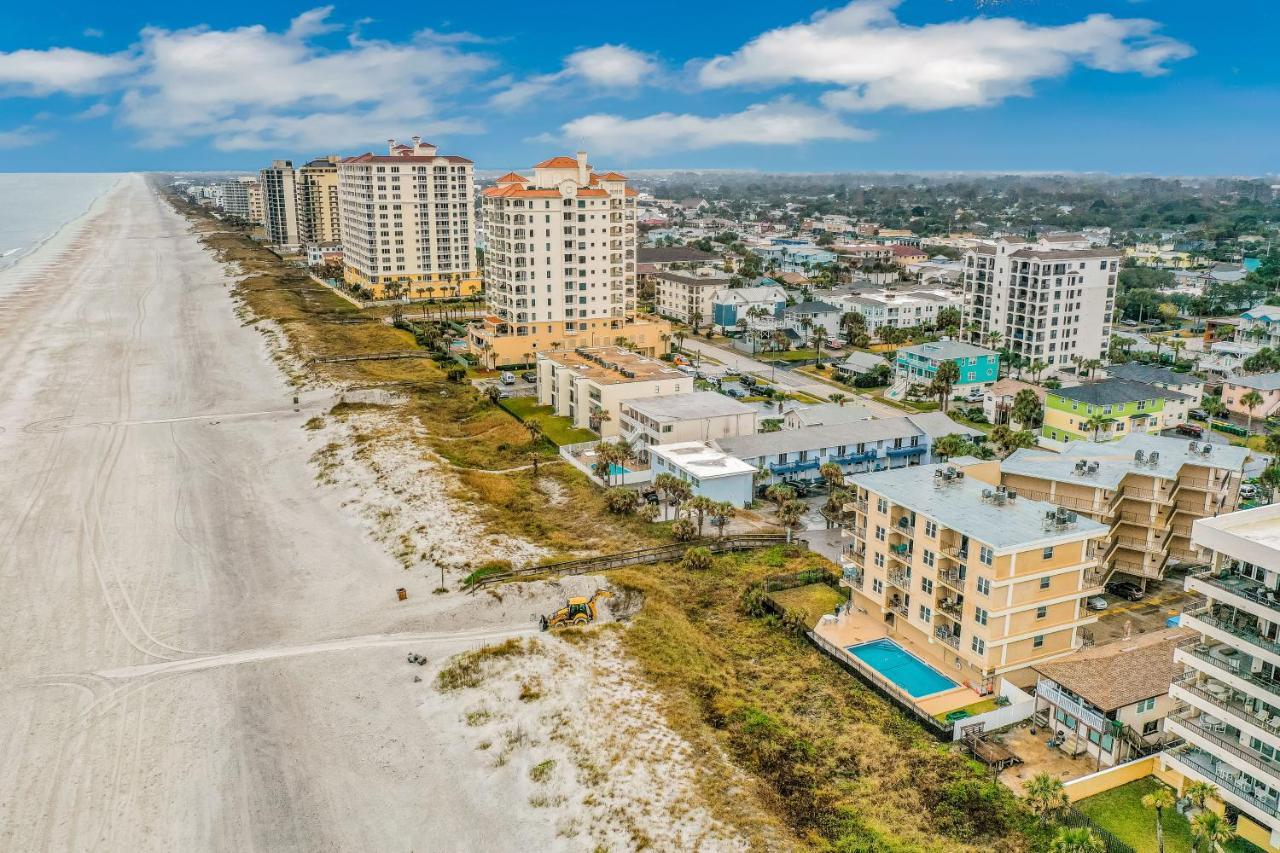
(854,628)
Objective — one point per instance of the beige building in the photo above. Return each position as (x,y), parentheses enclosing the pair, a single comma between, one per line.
(560,268)
(407,222)
(318,208)
(686,298)
(1147,490)
(699,416)
(980,581)
(280,204)
(242,198)
(591,385)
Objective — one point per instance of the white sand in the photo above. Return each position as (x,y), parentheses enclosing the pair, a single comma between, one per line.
(201,649)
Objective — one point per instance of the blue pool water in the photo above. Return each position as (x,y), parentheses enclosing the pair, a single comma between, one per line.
(902,668)
(616,470)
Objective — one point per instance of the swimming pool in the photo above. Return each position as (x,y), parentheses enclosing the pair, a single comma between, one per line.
(616,470)
(901,667)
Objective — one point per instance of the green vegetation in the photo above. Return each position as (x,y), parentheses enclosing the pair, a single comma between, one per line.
(845,769)
(982,706)
(1120,812)
(810,602)
(492,567)
(468,668)
(788,355)
(558,430)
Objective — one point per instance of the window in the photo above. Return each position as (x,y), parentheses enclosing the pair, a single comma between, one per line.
(1150,727)
(984,586)
(931,529)
(928,557)
(880,533)
(1042,612)
(882,505)
(926,615)
(1037,642)
(877,585)
(926,586)
(980,616)
(879,560)
(986,555)
(1048,553)
(978,645)
(1045,581)
(1146,705)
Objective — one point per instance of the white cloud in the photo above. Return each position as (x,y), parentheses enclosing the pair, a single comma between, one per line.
(249,87)
(98,110)
(58,69)
(23,137)
(878,62)
(609,66)
(782,122)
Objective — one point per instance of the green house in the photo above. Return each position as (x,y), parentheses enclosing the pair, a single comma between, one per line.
(1121,407)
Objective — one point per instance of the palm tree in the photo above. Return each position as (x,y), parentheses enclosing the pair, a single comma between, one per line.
(1080,839)
(1211,831)
(993,338)
(1213,407)
(944,379)
(1252,400)
(701,506)
(721,513)
(1045,796)
(833,474)
(535,431)
(780,493)
(1026,409)
(838,398)
(1089,365)
(1096,423)
(1176,346)
(1036,368)
(790,513)
(819,340)
(1199,792)
(1160,799)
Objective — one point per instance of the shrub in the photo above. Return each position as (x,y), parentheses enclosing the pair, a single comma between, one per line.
(697,559)
(684,529)
(492,567)
(621,501)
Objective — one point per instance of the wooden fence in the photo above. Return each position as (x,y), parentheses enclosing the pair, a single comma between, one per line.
(640,557)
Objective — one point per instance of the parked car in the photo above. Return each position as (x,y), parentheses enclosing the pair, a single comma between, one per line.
(529,376)
(507,378)
(1248,491)
(1129,322)
(1191,430)
(734,393)
(1097,603)
(1126,590)
(1198,415)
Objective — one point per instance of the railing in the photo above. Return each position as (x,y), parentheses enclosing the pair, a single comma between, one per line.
(902,580)
(1061,500)
(1232,668)
(1071,705)
(855,577)
(903,530)
(947,638)
(1235,707)
(1208,617)
(954,609)
(953,578)
(1245,588)
(1219,741)
(1207,765)
(960,556)
(899,608)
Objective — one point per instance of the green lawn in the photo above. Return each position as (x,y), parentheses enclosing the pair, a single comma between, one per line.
(813,600)
(559,430)
(1120,812)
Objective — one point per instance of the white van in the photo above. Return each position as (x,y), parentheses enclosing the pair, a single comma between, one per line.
(507,378)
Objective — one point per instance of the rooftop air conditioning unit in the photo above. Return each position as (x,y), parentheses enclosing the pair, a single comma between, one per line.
(1154,458)
(1191,448)
(1206,450)
(987,494)
(1138,456)
(1093,467)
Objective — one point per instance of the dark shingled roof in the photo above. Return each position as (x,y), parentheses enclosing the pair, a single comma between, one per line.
(1121,673)
(1112,391)
(672,254)
(1151,374)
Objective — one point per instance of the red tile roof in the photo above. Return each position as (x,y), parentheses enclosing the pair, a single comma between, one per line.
(557,163)
(514,190)
(512,178)
(592,193)
(402,158)
(612,176)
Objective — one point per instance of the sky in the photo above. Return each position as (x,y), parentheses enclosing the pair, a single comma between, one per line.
(1170,87)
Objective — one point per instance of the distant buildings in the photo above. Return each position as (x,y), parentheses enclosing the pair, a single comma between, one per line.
(242,198)
(407,222)
(1045,302)
(560,264)
(1121,407)
(1260,325)
(280,204)
(898,309)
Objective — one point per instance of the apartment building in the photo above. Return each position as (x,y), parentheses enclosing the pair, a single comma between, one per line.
(590,385)
(319,211)
(257,206)
(1046,302)
(898,309)
(1147,490)
(981,581)
(242,198)
(687,298)
(280,204)
(1230,692)
(699,416)
(1260,324)
(1121,408)
(560,266)
(407,221)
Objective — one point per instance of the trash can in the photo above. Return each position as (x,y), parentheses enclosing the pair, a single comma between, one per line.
(402,593)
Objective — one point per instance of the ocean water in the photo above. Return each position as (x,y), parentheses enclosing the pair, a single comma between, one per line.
(34,206)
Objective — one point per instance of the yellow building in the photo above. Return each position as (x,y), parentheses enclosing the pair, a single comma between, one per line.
(407,222)
(318,208)
(1147,490)
(977,580)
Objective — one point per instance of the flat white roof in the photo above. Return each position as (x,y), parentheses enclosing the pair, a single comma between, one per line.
(1252,535)
(701,460)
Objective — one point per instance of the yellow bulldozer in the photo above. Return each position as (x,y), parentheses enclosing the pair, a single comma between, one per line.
(578,611)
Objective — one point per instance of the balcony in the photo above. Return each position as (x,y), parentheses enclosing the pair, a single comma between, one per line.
(1241,708)
(1051,692)
(960,555)
(1236,590)
(1226,663)
(1240,791)
(1217,737)
(854,577)
(953,578)
(900,579)
(942,635)
(903,528)
(951,607)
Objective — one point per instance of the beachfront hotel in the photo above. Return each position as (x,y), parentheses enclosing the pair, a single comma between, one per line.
(318,207)
(1147,490)
(280,204)
(407,222)
(975,579)
(1229,695)
(560,269)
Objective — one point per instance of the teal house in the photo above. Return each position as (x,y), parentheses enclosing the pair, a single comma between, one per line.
(919,364)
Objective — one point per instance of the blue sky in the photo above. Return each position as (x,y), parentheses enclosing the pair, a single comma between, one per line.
(1161,86)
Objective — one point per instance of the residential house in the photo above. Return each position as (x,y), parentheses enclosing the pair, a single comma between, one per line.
(731,305)
(696,416)
(805,318)
(980,582)
(904,255)
(978,367)
(1260,325)
(1236,388)
(1176,411)
(792,258)
(1122,406)
(709,471)
(1110,701)
(590,385)
(1146,489)
(997,400)
(899,309)
(857,363)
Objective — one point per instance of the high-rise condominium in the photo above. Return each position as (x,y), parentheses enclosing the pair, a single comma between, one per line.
(280,203)
(407,222)
(318,201)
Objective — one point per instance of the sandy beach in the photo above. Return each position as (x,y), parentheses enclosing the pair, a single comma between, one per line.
(202,647)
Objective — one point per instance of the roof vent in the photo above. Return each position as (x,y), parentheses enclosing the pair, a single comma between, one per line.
(1206,450)
(1154,459)
(1093,467)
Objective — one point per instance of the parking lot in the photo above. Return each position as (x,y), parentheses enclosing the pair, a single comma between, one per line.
(520,388)
(1164,598)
